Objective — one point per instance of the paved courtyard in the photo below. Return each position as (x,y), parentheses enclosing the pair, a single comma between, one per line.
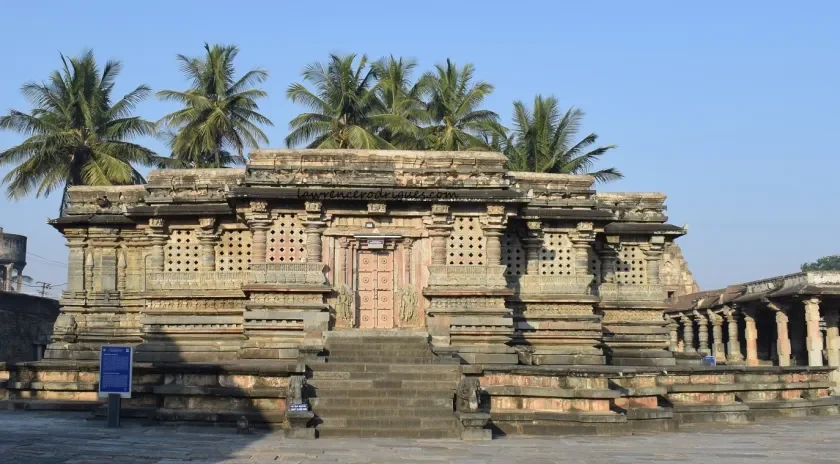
(41,438)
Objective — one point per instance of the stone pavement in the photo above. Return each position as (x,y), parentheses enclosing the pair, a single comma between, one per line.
(46,438)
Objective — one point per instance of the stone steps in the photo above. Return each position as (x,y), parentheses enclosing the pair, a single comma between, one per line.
(50,405)
(384,385)
(380,404)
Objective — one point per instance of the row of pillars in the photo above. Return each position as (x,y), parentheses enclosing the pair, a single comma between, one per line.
(10,284)
(731,350)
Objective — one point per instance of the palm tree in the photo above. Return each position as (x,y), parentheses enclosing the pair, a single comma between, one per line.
(454,119)
(76,136)
(543,141)
(341,106)
(220,114)
(402,105)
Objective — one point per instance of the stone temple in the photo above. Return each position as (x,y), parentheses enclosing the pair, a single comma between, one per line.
(394,293)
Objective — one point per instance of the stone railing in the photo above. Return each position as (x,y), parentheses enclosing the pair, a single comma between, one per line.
(200,280)
(288,273)
(555,285)
(467,276)
(629,292)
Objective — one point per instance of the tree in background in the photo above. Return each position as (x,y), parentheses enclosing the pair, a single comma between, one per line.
(341,107)
(220,117)
(454,120)
(826,263)
(543,140)
(76,134)
(402,107)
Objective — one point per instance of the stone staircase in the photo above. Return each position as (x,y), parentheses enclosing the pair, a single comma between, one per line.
(383,384)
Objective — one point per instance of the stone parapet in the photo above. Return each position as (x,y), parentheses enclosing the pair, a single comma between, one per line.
(624,294)
(198,280)
(486,277)
(287,273)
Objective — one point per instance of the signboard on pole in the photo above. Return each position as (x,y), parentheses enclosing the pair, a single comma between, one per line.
(115,362)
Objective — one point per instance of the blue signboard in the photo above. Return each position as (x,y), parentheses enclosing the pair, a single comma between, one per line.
(115,364)
(709,361)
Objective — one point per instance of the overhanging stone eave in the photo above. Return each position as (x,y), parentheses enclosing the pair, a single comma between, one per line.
(553,298)
(291,288)
(460,291)
(369,193)
(565,213)
(191,293)
(181,209)
(636,228)
(90,219)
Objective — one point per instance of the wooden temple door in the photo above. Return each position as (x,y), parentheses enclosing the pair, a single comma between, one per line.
(376,289)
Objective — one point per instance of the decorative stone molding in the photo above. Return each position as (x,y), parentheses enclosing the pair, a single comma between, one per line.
(496,210)
(440,209)
(555,285)
(156,222)
(634,293)
(207,223)
(467,276)
(313,207)
(216,280)
(288,273)
(259,206)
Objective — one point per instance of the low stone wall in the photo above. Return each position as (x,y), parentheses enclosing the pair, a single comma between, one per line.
(605,400)
(181,392)
(26,321)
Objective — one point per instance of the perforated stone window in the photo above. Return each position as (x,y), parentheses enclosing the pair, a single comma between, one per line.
(182,251)
(513,255)
(630,266)
(594,264)
(286,240)
(233,250)
(557,255)
(467,244)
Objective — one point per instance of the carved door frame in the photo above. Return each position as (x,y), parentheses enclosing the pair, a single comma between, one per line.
(399,249)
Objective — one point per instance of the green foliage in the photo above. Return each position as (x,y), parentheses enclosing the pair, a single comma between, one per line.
(543,140)
(342,106)
(76,135)
(453,112)
(220,115)
(826,263)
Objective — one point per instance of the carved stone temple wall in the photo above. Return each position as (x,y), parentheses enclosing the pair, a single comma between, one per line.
(261,262)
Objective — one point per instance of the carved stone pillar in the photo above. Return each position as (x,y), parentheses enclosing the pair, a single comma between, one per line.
(582,242)
(493,230)
(688,333)
(718,349)
(314,228)
(609,256)
(783,337)
(89,268)
(751,336)
(532,244)
(122,265)
(157,238)
(733,352)
(207,240)
(259,223)
(439,231)
(653,257)
(813,339)
(673,328)
(702,333)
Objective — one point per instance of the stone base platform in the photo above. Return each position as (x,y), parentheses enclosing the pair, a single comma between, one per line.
(520,400)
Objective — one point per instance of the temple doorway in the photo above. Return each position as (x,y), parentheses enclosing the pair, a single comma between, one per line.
(376,289)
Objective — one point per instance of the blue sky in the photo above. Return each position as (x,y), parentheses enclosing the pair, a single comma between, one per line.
(730,108)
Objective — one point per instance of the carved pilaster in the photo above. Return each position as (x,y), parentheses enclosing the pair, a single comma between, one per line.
(782,334)
(259,229)
(609,257)
(439,231)
(582,242)
(207,239)
(532,244)
(157,239)
(75,260)
(103,241)
(653,258)
(673,332)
